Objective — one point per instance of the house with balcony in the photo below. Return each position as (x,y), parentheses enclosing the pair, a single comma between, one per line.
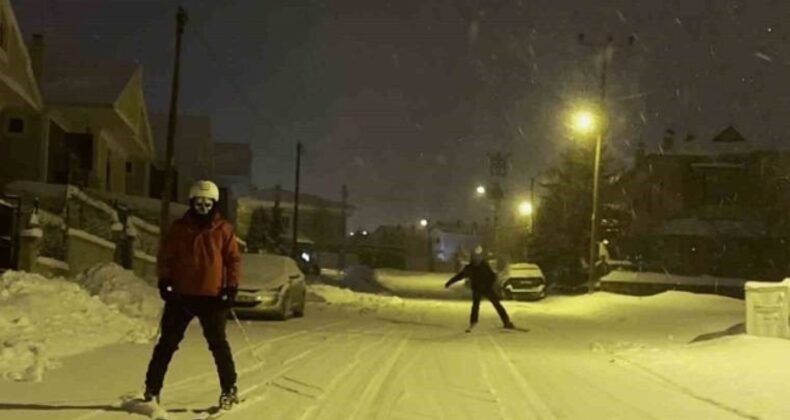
(106,142)
(23,123)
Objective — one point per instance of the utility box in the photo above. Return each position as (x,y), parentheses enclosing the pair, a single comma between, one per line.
(768,309)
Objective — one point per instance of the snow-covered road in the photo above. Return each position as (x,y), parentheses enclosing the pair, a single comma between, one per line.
(392,358)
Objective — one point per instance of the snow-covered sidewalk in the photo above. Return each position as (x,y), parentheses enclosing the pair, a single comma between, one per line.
(44,320)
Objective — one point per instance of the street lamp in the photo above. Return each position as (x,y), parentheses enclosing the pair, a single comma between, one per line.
(481,190)
(584,122)
(525,208)
(429,242)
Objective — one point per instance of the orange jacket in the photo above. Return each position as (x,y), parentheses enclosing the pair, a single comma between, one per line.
(196,259)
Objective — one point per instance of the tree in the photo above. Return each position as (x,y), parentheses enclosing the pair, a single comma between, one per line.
(276,226)
(561,236)
(257,237)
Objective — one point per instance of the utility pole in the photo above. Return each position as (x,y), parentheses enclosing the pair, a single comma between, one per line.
(296,199)
(164,221)
(344,215)
(498,168)
(606,49)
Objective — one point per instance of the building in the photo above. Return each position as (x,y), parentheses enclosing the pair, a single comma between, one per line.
(96,118)
(441,247)
(715,208)
(321,221)
(23,133)
(233,164)
(233,174)
(193,157)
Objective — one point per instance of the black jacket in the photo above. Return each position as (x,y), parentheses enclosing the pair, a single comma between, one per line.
(481,275)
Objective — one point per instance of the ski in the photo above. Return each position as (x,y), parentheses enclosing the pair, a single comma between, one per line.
(517,329)
(215,412)
(135,404)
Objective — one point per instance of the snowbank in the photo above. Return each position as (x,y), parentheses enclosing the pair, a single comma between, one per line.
(122,289)
(736,370)
(44,319)
(421,284)
(342,296)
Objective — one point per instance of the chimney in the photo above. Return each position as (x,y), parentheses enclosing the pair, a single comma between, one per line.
(37,56)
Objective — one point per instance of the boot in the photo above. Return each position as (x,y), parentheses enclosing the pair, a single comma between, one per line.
(228,398)
(151,397)
(509,325)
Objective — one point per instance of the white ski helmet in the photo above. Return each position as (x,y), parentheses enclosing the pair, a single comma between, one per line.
(205,189)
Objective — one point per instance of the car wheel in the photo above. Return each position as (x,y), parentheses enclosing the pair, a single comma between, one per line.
(299,310)
(285,308)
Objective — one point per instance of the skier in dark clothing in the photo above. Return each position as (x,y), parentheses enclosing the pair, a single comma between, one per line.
(483,278)
(199,268)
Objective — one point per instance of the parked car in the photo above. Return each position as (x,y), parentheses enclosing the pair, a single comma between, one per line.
(271,285)
(522,281)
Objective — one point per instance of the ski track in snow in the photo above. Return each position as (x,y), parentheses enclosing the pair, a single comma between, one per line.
(411,360)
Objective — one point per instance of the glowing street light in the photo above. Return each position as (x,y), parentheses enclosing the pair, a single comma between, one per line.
(583,122)
(481,190)
(424,222)
(525,208)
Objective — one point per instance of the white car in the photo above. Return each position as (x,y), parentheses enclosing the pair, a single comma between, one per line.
(522,280)
(270,285)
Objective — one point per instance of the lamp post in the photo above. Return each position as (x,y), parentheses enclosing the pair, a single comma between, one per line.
(525,210)
(429,242)
(607,49)
(585,123)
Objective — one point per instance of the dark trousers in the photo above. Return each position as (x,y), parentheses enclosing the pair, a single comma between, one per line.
(177,315)
(477,295)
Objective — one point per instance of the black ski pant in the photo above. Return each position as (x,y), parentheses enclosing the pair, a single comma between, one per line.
(477,295)
(178,313)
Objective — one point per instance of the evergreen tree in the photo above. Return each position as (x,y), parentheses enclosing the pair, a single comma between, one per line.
(257,237)
(276,226)
(561,236)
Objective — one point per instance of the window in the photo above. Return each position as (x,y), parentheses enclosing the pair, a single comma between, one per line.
(3,29)
(15,125)
(129,168)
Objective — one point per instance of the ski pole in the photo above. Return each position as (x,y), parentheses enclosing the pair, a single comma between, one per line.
(246,337)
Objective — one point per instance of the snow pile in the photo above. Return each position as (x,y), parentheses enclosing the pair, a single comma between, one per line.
(122,289)
(736,370)
(345,297)
(44,319)
(421,284)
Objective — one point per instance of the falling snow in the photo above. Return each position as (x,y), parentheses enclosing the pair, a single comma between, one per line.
(763,56)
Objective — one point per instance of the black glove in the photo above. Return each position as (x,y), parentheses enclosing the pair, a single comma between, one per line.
(228,295)
(448,284)
(166,290)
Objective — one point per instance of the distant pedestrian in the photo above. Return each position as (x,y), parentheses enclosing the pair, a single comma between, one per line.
(199,268)
(483,278)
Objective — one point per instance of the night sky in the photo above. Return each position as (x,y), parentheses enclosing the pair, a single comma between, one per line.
(402,99)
